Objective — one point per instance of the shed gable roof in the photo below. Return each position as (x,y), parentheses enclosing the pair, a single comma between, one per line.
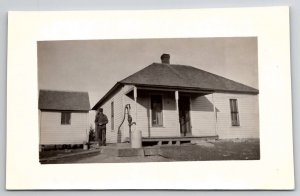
(63,100)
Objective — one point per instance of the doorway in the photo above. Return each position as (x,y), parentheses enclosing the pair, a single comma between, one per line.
(184,115)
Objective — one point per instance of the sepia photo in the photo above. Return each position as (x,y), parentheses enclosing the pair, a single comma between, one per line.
(148,100)
(187,99)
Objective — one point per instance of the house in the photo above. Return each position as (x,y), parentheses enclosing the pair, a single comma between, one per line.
(63,117)
(170,100)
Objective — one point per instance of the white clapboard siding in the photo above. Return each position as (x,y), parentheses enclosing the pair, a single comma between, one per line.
(143,121)
(120,100)
(111,134)
(170,118)
(248,116)
(129,99)
(125,127)
(52,132)
(117,98)
(203,118)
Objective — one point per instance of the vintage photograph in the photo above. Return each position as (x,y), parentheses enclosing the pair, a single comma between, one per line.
(148,100)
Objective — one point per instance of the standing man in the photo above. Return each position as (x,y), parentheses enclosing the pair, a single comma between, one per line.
(100,123)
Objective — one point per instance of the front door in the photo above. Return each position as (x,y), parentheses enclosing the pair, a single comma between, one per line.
(184,115)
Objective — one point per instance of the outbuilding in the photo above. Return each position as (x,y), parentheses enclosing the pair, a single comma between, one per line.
(63,117)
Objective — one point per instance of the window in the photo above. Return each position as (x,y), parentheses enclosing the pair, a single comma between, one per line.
(156,110)
(65,118)
(234,112)
(112,116)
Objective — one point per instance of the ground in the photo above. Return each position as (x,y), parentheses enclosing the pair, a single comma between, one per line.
(219,150)
(55,153)
(234,149)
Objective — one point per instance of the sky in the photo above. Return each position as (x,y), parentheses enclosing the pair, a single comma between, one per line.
(96,65)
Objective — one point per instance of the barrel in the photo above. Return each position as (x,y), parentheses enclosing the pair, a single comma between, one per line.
(136,139)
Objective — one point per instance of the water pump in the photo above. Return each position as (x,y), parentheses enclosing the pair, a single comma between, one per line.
(130,123)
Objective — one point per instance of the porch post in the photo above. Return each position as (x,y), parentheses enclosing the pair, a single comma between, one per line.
(177,111)
(215,113)
(135,102)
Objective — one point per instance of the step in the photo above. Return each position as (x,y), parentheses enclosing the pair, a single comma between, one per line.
(131,152)
(118,151)
(151,151)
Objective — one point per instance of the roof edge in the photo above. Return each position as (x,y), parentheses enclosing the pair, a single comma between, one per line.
(250,90)
(119,84)
(57,110)
(103,99)
(83,96)
(67,91)
(121,81)
(255,91)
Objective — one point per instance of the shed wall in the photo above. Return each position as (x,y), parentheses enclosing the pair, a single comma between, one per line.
(52,132)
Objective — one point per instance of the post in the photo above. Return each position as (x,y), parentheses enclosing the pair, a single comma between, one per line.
(215,113)
(88,128)
(121,132)
(135,102)
(40,134)
(177,111)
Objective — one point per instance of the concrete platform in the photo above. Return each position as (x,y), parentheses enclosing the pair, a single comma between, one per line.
(151,151)
(121,150)
(124,150)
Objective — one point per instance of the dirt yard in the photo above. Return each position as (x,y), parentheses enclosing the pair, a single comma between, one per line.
(217,150)
(237,149)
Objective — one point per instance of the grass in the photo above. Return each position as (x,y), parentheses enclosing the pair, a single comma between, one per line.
(70,159)
(233,149)
(54,153)
(220,150)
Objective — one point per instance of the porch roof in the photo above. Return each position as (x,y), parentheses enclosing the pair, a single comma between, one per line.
(166,88)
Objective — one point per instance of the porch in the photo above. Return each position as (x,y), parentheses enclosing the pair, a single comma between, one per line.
(168,116)
(150,141)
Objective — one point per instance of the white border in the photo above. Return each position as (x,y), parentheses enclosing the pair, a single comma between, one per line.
(269,24)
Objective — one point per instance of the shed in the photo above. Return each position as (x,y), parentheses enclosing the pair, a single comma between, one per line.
(63,117)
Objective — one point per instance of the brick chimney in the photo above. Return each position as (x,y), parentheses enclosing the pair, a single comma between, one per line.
(165,58)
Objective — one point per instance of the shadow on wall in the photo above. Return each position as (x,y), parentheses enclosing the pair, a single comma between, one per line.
(198,102)
(202,104)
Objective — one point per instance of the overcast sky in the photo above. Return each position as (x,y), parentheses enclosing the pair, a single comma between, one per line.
(96,65)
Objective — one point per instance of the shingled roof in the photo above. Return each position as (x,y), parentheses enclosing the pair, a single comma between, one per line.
(64,100)
(183,76)
(179,77)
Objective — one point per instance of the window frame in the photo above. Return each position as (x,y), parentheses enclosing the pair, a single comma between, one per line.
(234,111)
(112,115)
(63,118)
(162,109)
